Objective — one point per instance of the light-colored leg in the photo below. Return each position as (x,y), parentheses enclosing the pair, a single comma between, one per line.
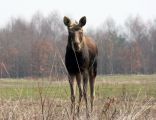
(92,76)
(92,92)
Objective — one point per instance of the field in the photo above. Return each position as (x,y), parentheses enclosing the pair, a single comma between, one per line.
(119,97)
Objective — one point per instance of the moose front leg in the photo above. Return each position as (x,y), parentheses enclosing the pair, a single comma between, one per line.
(73,91)
(78,79)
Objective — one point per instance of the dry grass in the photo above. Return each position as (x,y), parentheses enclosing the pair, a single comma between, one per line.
(117,98)
(105,109)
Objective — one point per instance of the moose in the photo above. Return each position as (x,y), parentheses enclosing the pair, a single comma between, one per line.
(81,62)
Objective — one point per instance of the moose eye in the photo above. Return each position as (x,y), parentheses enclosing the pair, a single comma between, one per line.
(71,32)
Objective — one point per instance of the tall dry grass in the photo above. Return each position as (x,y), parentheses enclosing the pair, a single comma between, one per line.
(123,108)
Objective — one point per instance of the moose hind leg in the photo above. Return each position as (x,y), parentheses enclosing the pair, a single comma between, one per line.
(85,83)
(92,75)
(92,92)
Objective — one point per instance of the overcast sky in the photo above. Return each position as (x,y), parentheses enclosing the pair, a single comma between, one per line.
(96,11)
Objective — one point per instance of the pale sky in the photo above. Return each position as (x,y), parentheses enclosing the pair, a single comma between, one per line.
(96,11)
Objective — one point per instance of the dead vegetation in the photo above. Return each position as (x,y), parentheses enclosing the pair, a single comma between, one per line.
(45,104)
(56,109)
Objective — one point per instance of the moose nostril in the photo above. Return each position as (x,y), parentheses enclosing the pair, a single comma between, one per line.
(76,43)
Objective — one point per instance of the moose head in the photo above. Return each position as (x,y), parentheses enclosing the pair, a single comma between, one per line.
(75,32)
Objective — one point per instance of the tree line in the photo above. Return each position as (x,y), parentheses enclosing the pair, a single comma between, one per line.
(37,47)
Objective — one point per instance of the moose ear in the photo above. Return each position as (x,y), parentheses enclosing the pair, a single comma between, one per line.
(82,21)
(66,21)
